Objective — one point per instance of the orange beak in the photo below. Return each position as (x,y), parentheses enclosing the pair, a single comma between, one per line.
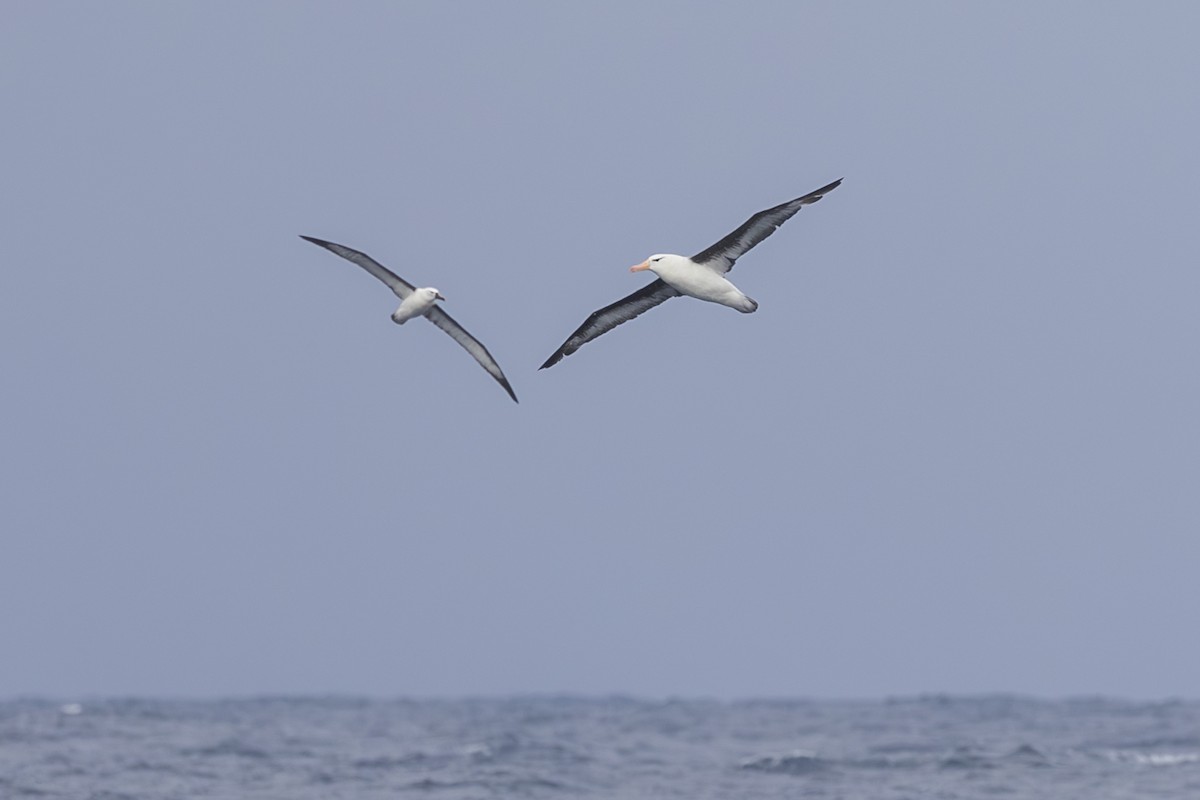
(640,267)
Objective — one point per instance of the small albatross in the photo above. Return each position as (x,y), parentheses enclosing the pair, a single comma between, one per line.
(416,302)
(702,276)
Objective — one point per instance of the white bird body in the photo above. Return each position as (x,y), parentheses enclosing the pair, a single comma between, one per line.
(697,280)
(422,302)
(416,304)
(702,276)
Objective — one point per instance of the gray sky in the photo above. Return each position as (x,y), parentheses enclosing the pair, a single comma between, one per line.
(957,448)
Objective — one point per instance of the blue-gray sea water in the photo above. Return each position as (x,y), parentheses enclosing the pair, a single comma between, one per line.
(302,748)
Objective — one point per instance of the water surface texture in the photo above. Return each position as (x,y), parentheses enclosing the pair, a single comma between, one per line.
(301,748)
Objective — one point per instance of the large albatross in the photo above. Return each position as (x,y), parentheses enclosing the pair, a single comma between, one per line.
(702,276)
(422,302)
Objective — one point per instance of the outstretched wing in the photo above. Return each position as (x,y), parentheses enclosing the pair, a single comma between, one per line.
(721,255)
(401,287)
(472,345)
(611,316)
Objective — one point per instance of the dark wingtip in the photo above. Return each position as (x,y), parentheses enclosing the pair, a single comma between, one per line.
(510,391)
(552,360)
(315,240)
(817,194)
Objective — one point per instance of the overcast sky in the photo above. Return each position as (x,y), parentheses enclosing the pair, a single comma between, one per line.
(957,449)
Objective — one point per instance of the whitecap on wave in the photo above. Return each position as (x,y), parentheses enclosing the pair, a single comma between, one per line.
(1166,759)
(797,762)
(1155,759)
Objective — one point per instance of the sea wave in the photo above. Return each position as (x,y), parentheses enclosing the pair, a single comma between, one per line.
(547,748)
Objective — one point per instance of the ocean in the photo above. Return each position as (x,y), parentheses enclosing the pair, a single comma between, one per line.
(302,748)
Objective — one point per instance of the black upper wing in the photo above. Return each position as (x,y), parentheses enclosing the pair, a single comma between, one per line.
(609,317)
(722,254)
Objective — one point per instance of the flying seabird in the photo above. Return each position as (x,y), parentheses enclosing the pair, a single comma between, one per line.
(702,276)
(416,302)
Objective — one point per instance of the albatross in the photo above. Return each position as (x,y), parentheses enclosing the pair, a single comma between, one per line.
(702,276)
(421,302)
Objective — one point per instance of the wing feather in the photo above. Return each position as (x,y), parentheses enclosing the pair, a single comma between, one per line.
(472,345)
(722,255)
(609,317)
(401,287)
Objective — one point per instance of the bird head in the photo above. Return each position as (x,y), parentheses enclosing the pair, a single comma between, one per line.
(653,261)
